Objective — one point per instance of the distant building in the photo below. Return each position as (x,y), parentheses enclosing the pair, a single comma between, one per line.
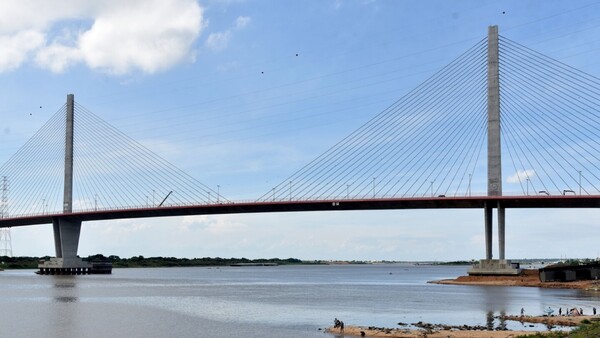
(570,273)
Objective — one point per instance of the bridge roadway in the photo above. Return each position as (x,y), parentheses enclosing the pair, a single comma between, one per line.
(559,201)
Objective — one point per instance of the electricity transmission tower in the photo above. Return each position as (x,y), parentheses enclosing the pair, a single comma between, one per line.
(5,240)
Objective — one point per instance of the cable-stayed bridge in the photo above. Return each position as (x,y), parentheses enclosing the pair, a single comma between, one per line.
(498,113)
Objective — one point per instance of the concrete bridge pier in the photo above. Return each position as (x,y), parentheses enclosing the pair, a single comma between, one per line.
(66,231)
(66,237)
(488,220)
(490,266)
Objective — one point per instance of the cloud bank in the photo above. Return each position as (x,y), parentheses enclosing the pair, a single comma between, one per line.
(112,36)
(521,176)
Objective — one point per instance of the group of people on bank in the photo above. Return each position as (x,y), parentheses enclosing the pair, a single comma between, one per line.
(568,311)
(338,324)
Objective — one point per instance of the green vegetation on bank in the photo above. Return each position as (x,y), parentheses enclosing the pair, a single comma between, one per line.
(141,261)
(575,262)
(585,330)
(471,262)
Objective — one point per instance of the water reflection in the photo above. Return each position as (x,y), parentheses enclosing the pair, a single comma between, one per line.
(65,289)
(495,301)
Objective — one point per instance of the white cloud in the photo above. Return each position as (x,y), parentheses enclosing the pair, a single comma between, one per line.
(16,48)
(114,36)
(521,176)
(218,41)
(242,22)
(57,57)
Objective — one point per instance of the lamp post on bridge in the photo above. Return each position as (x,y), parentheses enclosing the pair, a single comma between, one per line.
(374,187)
(218,193)
(469,187)
(579,182)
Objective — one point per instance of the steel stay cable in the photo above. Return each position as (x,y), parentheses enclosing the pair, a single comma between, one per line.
(135,173)
(180,175)
(562,65)
(540,137)
(373,120)
(126,193)
(509,121)
(469,141)
(413,130)
(26,159)
(372,135)
(550,108)
(417,132)
(457,124)
(557,72)
(510,140)
(427,172)
(381,157)
(563,93)
(83,160)
(472,160)
(584,123)
(411,166)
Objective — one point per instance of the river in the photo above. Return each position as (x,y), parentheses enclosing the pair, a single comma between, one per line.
(290,301)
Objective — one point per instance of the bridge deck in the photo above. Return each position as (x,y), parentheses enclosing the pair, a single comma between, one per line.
(571,201)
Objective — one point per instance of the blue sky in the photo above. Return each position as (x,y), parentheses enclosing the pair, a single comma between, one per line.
(241,94)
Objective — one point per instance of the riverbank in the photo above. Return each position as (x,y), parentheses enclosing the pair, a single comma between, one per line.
(356,331)
(447,331)
(554,320)
(529,278)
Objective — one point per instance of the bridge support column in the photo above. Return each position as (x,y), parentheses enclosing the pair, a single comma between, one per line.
(489,266)
(500,231)
(66,237)
(66,242)
(488,230)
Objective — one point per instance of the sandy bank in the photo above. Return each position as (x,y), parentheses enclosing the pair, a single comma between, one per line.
(355,331)
(527,278)
(553,320)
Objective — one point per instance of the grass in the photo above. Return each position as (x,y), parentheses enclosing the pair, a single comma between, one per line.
(590,330)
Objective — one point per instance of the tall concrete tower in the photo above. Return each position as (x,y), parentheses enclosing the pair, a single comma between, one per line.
(489,266)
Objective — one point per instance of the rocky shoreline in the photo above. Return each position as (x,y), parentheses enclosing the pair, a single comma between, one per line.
(421,329)
(528,278)
(429,330)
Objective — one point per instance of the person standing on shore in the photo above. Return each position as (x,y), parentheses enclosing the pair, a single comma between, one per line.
(560,311)
(594,310)
(522,312)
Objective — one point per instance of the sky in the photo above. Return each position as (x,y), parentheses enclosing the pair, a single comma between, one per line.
(240,94)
